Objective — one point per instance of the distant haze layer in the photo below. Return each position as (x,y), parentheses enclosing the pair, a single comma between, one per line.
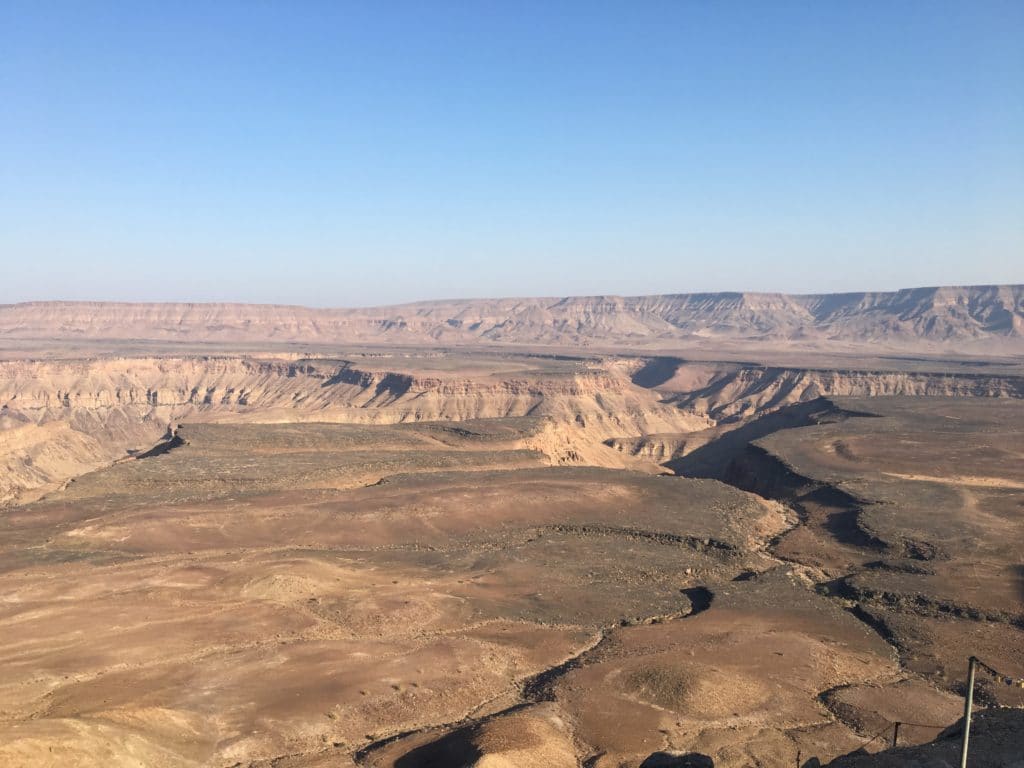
(973,319)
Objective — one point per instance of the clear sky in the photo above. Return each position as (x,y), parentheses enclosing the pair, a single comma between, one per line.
(355,153)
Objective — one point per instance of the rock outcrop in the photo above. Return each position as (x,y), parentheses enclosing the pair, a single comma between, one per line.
(97,411)
(730,393)
(598,413)
(995,743)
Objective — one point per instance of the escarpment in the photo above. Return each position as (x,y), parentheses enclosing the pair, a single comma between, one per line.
(732,393)
(987,317)
(86,405)
(602,412)
(211,382)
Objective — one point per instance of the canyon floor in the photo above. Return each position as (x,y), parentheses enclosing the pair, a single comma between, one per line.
(386,557)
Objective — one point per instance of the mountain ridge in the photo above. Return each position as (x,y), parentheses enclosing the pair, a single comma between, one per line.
(942,318)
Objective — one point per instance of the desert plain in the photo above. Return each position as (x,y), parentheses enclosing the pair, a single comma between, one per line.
(230,537)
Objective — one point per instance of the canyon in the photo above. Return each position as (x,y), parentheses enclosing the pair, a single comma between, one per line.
(61,418)
(724,529)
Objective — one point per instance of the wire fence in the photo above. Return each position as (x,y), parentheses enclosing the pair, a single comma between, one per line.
(893,727)
(999,677)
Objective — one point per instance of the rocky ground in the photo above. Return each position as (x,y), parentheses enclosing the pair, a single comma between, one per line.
(777,574)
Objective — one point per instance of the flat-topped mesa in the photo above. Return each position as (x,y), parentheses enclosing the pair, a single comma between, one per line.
(107,406)
(209,382)
(105,383)
(979,318)
(745,391)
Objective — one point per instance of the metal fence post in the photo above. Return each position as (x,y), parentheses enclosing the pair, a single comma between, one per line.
(968,705)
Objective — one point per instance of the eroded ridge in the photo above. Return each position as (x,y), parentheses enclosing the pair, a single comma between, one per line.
(534,564)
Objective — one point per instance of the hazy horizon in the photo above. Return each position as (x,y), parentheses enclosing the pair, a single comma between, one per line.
(338,155)
(456,299)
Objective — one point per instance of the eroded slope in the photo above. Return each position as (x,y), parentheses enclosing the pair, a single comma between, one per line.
(60,418)
(232,599)
(980,317)
(435,577)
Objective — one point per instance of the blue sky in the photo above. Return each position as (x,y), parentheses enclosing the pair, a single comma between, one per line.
(343,153)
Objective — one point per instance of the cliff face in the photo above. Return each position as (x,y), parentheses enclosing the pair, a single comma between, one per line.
(179,387)
(730,394)
(980,318)
(61,418)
